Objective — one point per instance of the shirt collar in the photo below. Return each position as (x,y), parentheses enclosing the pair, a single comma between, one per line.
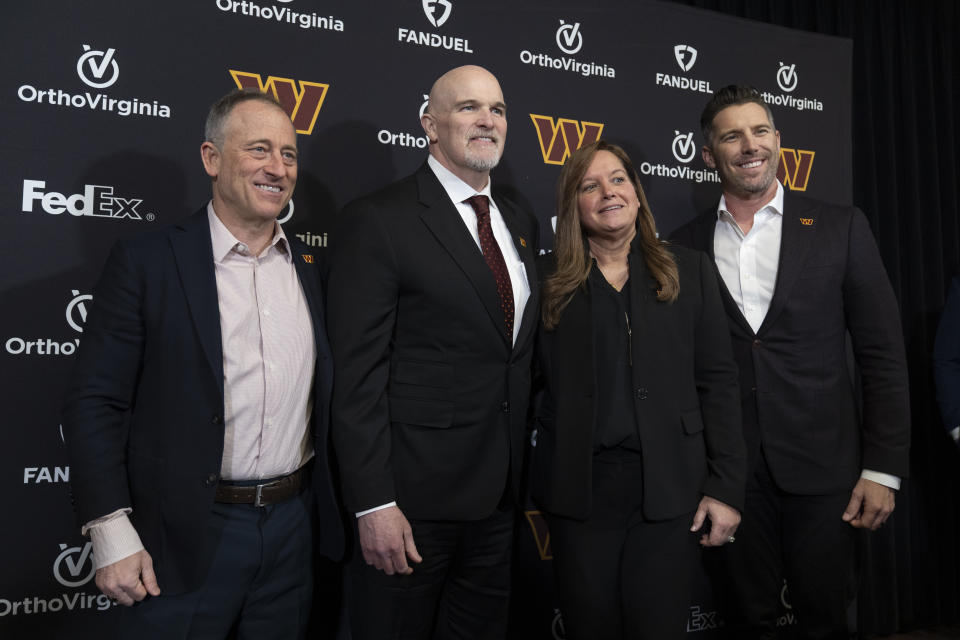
(775,204)
(224,242)
(457,190)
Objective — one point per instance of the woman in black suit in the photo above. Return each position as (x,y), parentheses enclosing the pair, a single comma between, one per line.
(638,438)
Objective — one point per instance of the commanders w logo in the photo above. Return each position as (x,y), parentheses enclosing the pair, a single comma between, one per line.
(302,106)
(794,169)
(541,535)
(561,138)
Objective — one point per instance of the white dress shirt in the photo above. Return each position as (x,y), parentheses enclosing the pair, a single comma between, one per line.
(748,264)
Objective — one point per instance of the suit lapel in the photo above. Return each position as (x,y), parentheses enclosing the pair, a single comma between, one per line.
(193,253)
(797,235)
(706,227)
(307,274)
(444,222)
(524,248)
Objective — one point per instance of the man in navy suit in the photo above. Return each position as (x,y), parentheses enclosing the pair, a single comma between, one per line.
(946,362)
(796,277)
(197,420)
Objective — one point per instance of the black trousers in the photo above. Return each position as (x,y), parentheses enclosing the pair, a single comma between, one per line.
(461,589)
(618,574)
(260,582)
(786,536)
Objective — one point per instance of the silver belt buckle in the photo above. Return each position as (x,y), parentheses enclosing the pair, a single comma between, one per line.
(257,499)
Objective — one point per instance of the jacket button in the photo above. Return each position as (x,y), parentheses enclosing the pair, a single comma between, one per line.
(757,343)
(642,393)
(216,419)
(212,479)
(505,407)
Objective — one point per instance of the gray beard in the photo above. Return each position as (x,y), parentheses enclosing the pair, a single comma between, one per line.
(481,163)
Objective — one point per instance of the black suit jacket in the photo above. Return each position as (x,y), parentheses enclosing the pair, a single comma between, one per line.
(143,417)
(798,396)
(685,395)
(430,404)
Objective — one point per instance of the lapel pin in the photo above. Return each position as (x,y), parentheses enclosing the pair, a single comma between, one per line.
(523,243)
(807,222)
(307,258)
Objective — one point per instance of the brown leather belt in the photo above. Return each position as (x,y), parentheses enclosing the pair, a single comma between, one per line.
(261,495)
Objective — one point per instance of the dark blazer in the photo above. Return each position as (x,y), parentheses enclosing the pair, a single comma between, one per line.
(430,403)
(797,390)
(685,395)
(946,359)
(143,417)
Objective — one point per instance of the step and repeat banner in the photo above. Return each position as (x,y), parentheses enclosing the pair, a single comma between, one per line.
(103,105)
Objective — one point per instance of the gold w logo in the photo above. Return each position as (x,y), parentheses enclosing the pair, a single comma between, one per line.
(541,535)
(302,105)
(561,138)
(794,169)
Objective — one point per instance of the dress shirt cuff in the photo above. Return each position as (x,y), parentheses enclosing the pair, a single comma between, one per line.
(383,506)
(885,479)
(955,434)
(114,538)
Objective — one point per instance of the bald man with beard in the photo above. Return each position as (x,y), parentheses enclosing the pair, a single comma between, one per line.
(432,304)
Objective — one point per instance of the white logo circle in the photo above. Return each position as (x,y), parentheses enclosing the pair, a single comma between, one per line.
(683,147)
(77,307)
(569,38)
(787,77)
(96,64)
(75,575)
(426,102)
(289,214)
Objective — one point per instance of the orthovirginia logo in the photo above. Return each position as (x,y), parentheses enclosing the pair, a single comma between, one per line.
(303,105)
(686,57)
(684,150)
(76,316)
(280,14)
(569,39)
(561,137)
(437,13)
(410,140)
(795,167)
(70,567)
(98,69)
(787,79)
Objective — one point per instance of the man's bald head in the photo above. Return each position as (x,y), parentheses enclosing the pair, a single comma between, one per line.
(466,123)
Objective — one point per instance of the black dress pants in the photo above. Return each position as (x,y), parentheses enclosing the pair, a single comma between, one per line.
(619,575)
(786,536)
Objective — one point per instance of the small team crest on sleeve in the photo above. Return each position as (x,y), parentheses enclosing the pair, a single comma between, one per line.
(307,257)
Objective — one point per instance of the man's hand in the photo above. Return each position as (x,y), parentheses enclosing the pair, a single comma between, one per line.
(129,580)
(387,541)
(870,505)
(724,521)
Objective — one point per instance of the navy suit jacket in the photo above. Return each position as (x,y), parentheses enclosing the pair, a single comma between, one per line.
(430,405)
(798,397)
(946,359)
(143,417)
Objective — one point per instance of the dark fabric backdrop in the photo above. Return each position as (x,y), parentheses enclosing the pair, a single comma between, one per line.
(906,156)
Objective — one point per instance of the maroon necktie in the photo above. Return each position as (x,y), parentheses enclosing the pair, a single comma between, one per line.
(491,253)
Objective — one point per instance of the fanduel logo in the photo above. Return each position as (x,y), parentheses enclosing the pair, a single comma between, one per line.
(280,14)
(683,147)
(97,69)
(686,56)
(561,137)
(303,105)
(430,8)
(569,38)
(71,566)
(795,167)
(97,201)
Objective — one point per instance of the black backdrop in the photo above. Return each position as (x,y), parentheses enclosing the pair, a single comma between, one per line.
(639,79)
